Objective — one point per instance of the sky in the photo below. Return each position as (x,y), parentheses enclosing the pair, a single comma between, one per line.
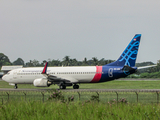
(52,29)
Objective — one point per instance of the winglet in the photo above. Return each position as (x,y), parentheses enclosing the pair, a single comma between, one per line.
(45,68)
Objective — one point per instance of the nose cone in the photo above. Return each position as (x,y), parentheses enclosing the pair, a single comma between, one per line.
(4,78)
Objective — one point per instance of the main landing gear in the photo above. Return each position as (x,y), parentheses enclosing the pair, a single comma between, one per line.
(75,86)
(15,87)
(62,86)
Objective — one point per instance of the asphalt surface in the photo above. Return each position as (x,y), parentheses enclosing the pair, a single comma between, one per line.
(89,90)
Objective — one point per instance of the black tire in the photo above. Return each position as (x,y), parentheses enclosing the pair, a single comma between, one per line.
(75,86)
(62,87)
(15,87)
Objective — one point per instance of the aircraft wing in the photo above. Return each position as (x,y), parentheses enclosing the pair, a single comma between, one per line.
(56,79)
(53,78)
(143,67)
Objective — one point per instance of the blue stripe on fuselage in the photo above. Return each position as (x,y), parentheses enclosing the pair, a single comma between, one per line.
(112,72)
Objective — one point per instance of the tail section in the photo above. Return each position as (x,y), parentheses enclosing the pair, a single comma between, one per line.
(128,57)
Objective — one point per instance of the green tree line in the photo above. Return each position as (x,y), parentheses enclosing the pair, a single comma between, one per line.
(66,61)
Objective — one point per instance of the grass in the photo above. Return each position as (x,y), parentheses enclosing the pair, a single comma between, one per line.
(55,110)
(122,84)
(104,97)
(30,105)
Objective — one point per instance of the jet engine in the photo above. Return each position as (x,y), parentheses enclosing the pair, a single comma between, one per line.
(41,82)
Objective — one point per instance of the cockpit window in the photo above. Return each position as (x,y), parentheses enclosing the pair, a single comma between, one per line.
(8,73)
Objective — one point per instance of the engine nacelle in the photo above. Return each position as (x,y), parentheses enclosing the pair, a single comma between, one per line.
(41,82)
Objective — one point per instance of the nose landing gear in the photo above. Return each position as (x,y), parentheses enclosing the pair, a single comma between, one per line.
(15,87)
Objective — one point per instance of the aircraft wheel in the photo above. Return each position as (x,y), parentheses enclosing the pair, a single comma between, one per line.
(75,86)
(62,87)
(15,87)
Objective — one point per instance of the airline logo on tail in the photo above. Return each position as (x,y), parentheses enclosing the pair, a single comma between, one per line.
(129,55)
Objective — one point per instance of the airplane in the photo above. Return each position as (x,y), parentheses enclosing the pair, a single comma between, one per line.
(72,76)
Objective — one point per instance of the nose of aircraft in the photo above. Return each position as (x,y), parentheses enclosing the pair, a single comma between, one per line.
(4,78)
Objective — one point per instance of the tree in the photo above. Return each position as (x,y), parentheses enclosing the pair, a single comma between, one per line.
(19,61)
(29,64)
(44,62)
(66,61)
(73,62)
(4,60)
(85,62)
(102,61)
(109,61)
(55,63)
(35,63)
(95,60)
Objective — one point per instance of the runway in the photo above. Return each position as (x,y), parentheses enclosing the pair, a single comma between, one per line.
(86,90)
(83,90)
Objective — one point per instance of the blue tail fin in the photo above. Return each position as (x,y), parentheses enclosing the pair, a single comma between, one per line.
(128,57)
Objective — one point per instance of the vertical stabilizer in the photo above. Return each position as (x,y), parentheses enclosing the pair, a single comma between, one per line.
(128,57)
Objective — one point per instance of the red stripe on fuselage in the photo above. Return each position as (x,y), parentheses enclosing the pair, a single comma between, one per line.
(98,74)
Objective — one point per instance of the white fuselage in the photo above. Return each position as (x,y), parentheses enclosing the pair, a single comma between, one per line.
(28,75)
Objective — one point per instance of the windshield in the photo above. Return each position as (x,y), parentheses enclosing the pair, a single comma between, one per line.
(8,73)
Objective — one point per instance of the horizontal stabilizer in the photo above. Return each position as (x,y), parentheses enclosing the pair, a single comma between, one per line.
(146,67)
